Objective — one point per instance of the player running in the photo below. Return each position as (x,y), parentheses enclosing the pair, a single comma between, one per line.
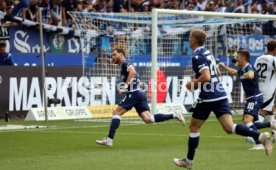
(212,97)
(134,97)
(254,98)
(266,68)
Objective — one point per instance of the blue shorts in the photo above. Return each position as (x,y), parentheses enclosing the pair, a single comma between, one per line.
(252,106)
(136,99)
(201,110)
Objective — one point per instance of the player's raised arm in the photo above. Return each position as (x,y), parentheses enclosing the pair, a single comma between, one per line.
(131,74)
(228,69)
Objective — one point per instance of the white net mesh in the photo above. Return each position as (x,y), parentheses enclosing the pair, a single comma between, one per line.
(132,32)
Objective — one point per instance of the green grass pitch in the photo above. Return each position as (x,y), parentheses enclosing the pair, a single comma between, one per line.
(70,145)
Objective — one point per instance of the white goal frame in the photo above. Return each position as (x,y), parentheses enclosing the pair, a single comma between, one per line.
(154,38)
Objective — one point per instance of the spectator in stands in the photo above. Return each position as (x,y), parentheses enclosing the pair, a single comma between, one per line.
(3,7)
(254,8)
(68,5)
(146,6)
(6,8)
(221,6)
(175,4)
(154,4)
(46,12)
(201,5)
(20,8)
(109,6)
(270,8)
(80,6)
(5,57)
(56,12)
(33,12)
(211,6)
(190,7)
(119,6)
(137,5)
(240,7)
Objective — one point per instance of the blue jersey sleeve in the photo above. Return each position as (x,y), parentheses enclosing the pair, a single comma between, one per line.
(9,60)
(124,66)
(201,62)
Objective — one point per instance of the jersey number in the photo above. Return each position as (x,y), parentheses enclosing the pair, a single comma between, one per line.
(250,106)
(213,69)
(261,68)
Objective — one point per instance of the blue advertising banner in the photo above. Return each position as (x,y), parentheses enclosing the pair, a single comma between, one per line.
(65,50)
(255,44)
(24,40)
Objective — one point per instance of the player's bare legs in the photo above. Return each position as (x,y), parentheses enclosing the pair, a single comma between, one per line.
(227,123)
(271,121)
(229,127)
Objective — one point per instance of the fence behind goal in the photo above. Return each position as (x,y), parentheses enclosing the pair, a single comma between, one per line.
(158,45)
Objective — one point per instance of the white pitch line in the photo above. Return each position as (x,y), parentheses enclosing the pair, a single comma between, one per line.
(82,127)
(61,130)
(140,134)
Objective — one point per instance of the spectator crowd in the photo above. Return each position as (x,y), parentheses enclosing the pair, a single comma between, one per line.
(54,12)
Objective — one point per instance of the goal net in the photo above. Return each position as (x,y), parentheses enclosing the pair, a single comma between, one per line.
(158,45)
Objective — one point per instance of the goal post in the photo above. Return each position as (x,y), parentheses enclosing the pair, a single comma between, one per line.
(157,43)
(235,18)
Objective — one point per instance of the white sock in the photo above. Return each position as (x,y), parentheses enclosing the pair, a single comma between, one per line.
(152,119)
(270,118)
(234,128)
(109,139)
(260,118)
(174,115)
(188,160)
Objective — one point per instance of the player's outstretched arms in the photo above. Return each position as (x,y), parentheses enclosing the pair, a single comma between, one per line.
(228,69)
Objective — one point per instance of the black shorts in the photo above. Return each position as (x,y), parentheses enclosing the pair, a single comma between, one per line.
(252,106)
(201,110)
(136,99)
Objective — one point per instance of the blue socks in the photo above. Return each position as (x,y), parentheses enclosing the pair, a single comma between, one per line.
(253,128)
(245,131)
(161,117)
(192,145)
(115,123)
(261,125)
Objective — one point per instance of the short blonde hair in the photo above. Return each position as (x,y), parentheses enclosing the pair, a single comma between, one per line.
(199,35)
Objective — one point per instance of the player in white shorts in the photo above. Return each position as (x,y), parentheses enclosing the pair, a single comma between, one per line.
(266,68)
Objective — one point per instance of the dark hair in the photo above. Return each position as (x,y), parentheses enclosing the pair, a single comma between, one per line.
(2,42)
(271,45)
(120,50)
(245,54)
(199,35)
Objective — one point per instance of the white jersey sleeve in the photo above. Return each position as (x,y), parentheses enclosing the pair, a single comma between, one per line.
(266,68)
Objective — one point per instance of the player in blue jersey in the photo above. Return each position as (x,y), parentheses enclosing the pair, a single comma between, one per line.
(212,97)
(134,97)
(5,57)
(254,98)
